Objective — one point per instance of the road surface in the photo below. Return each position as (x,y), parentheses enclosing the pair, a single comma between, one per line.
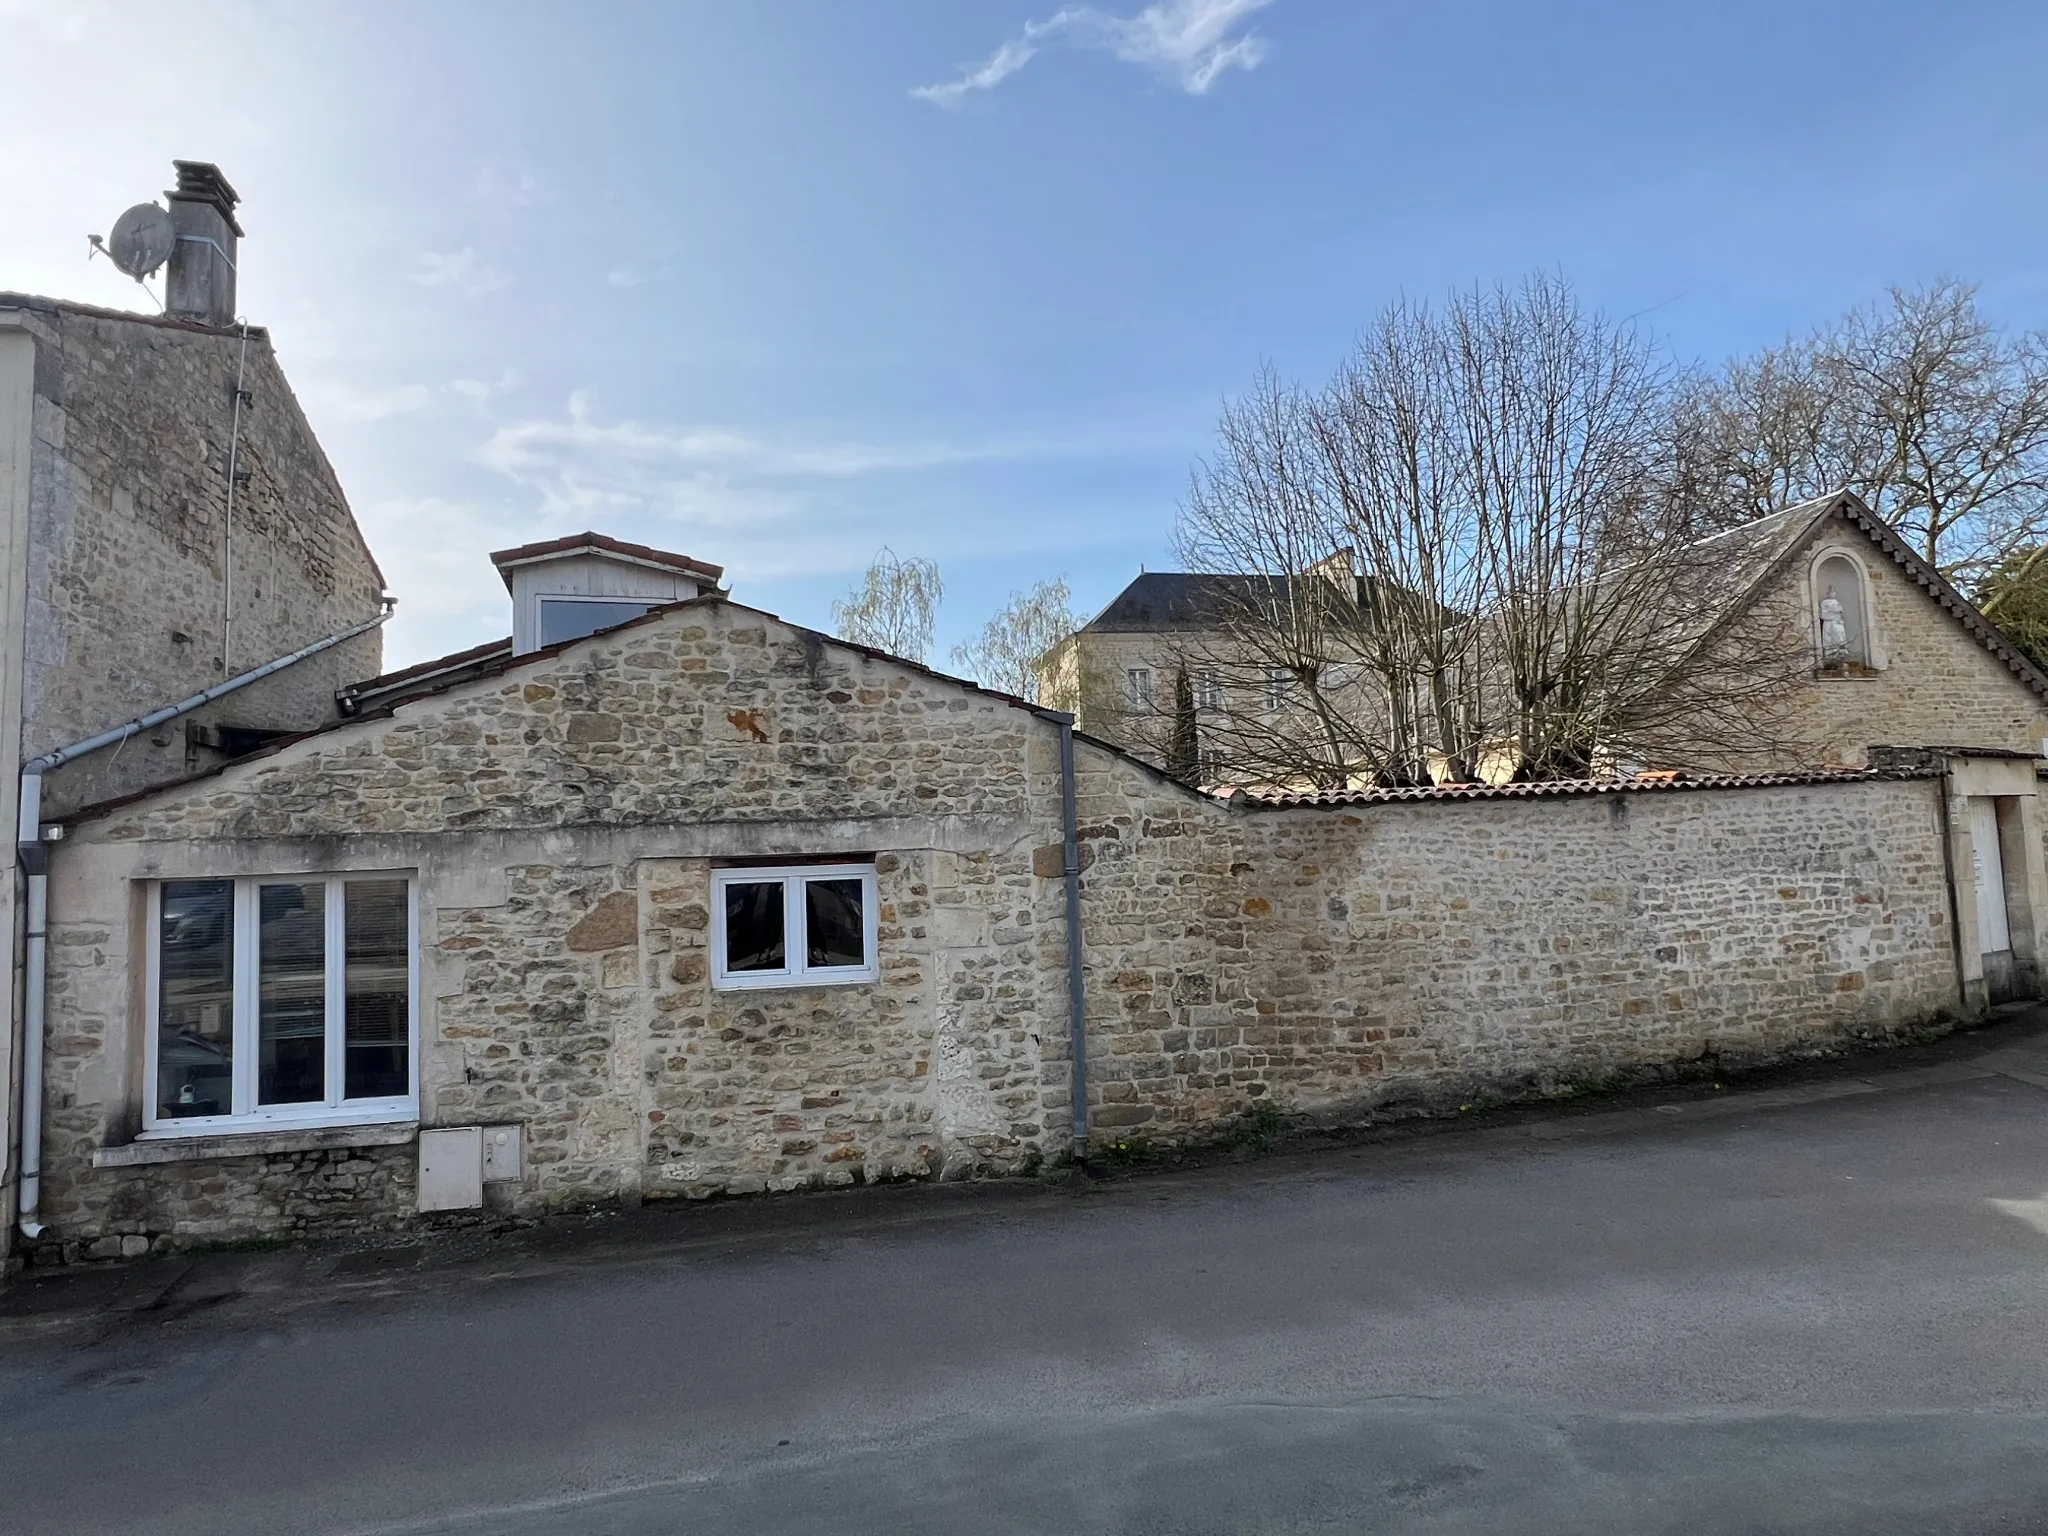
(1821,1308)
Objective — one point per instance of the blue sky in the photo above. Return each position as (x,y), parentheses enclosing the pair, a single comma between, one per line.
(719,278)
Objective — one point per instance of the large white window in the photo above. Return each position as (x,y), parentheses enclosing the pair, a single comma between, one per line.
(1138,685)
(282,1001)
(805,925)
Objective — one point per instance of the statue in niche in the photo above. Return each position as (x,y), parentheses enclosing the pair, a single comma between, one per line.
(1834,629)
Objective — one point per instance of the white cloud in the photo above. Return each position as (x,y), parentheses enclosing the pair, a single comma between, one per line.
(334,399)
(1190,42)
(636,274)
(512,186)
(464,271)
(768,508)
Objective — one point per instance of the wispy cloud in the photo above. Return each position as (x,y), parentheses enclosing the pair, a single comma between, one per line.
(512,186)
(636,274)
(745,501)
(336,399)
(464,271)
(1189,42)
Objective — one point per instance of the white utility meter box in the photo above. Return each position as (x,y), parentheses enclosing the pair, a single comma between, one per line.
(452,1169)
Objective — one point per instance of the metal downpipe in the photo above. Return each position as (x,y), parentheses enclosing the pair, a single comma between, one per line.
(1077,1002)
(33,854)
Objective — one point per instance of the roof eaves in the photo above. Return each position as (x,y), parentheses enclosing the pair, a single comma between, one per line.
(1965,613)
(1559,789)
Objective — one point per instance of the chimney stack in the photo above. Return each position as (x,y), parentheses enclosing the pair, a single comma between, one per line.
(201,281)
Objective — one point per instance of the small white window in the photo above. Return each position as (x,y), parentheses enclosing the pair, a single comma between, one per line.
(571,618)
(281,1000)
(1208,691)
(1138,682)
(806,926)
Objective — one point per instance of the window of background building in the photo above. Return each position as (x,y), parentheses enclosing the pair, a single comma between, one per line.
(1138,683)
(1277,688)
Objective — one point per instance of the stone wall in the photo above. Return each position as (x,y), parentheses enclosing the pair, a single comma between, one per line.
(564,820)
(127,588)
(1334,959)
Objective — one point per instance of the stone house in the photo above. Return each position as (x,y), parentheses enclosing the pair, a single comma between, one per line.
(706,903)
(172,531)
(1914,662)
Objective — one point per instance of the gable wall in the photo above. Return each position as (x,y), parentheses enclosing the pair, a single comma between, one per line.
(1934,685)
(128,521)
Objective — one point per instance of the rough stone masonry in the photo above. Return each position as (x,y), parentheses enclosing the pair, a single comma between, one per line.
(564,818)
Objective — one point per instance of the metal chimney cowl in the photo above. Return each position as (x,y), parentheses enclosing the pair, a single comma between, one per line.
(201,281)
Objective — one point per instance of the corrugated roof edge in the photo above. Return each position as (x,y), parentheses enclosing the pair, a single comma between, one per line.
(1566,788)
(510,663)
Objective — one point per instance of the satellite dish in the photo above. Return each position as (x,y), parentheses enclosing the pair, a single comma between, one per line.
(142,241)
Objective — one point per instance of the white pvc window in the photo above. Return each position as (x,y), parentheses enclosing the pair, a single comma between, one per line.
(1138,683)
(1208,691)
(806,925)
(286,1000)
(571,618)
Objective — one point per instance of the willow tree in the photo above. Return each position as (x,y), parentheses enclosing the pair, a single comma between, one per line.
(895,608)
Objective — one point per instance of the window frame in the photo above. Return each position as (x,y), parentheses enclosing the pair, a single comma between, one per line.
(1138,686)
(245,1114)
(1208,691)
(1276,690)
(796,970)
(540,613)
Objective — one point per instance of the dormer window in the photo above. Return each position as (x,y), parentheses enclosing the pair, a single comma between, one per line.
(1841,616)
(571,618)
(568,588)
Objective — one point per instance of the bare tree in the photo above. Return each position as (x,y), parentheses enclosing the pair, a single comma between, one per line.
(894,609)
(1455,558)
(1919,404)
(1006,654)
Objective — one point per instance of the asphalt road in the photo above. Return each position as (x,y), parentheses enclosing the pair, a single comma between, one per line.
(1822,1309)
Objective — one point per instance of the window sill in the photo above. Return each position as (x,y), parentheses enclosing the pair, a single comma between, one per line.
(253,1143)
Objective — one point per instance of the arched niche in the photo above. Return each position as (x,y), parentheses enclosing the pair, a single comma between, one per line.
(1841,618)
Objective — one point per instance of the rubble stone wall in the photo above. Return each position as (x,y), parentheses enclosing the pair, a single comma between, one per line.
(129,552)
(564,819)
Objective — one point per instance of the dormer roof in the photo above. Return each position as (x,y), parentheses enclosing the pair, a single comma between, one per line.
(506,560)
